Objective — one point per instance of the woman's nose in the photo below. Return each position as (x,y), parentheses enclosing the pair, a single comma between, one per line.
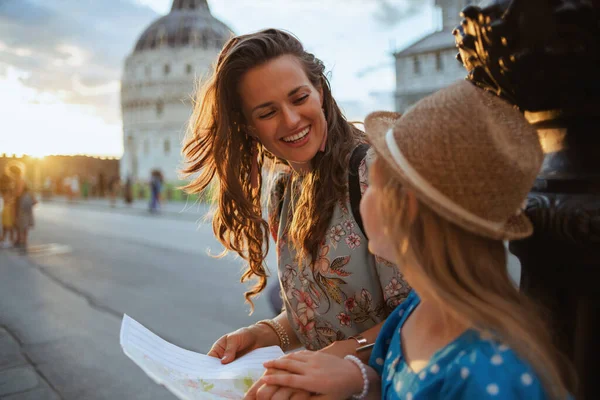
(291,117)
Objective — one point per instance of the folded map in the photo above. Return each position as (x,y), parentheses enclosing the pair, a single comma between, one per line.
(189,375)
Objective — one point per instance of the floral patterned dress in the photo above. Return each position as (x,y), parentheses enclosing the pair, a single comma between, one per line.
(347,290)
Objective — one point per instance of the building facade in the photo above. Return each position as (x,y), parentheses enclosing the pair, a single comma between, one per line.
(158,85)
(430,64)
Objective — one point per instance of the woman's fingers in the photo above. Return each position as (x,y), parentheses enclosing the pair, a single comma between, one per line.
(286,364)
(218,349)
(225,348)
(230,350)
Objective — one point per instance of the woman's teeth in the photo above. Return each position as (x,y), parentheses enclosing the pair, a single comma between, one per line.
(296,137)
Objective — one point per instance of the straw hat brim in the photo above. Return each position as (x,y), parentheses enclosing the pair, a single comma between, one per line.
(377,125)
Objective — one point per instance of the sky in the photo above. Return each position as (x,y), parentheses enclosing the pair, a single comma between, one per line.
(61,60)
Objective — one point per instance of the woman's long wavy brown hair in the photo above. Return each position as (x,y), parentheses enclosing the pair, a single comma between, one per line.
(219,146)
(467,274)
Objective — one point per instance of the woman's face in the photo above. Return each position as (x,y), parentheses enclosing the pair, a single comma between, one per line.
(284,110)
(380,242)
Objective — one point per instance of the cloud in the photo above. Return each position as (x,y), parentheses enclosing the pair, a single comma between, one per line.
(71,47)
(391,13)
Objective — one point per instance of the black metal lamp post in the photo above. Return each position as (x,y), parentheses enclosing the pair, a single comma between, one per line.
(544,57)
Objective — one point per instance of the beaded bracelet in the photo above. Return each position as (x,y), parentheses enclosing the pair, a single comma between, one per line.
(363,371)
(284,339)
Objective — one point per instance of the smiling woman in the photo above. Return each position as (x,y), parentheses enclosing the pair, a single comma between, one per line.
(290,124)
(269,102)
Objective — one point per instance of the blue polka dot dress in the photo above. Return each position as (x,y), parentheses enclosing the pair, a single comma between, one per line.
(470,367)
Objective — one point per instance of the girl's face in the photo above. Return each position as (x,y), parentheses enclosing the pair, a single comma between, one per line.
(380,242)
(283,110)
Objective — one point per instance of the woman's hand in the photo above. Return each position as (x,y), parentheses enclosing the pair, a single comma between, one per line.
(315,372)
(236,344)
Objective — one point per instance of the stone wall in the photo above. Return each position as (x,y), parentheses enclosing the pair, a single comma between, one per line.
(421,74)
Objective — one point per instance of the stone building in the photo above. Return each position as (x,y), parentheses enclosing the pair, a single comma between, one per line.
(430,64)
(158,85)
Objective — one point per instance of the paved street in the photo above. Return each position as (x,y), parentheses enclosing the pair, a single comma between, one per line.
(61,304)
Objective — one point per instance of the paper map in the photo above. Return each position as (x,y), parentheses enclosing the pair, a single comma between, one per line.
(190,375)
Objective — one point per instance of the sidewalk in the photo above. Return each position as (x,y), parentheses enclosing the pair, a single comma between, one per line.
(173,209)
(59,343)
(19,379)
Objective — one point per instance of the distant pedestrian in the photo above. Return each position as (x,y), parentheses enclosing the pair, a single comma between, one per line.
(101,184)
(25,219)
(128,190)
(8,212)
(113,189)
(17,171)
(85,187)
(156,182)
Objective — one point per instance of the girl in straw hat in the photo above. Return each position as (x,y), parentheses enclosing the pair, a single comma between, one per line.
(446,190)
(269,102)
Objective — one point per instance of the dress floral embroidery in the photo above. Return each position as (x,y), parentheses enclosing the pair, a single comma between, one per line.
(346,290)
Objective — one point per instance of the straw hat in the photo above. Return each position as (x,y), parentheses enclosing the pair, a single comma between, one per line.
(465,153)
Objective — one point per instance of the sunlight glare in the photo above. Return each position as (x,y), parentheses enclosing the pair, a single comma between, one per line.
(41,123)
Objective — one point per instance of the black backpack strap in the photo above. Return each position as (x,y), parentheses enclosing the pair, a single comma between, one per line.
(358,154)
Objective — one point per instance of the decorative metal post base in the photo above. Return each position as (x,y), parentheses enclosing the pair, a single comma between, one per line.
(544,57)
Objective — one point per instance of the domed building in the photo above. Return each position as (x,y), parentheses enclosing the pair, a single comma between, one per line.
(158,85)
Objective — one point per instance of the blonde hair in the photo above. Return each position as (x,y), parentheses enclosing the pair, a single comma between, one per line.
(467,274)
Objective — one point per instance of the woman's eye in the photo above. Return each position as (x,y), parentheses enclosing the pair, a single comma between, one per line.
(301,99)
(266,115)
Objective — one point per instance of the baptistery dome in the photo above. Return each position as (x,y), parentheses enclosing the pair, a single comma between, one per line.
(189,23)
(158,84)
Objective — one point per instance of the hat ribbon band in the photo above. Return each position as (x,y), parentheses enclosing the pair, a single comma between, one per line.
(431,191)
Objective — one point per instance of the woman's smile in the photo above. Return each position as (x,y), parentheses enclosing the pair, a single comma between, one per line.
(298,138)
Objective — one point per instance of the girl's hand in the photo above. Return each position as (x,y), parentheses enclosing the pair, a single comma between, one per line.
(261,391)
(316,372)
(236,344)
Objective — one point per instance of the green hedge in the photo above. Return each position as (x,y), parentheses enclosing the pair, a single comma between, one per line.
(171,191)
